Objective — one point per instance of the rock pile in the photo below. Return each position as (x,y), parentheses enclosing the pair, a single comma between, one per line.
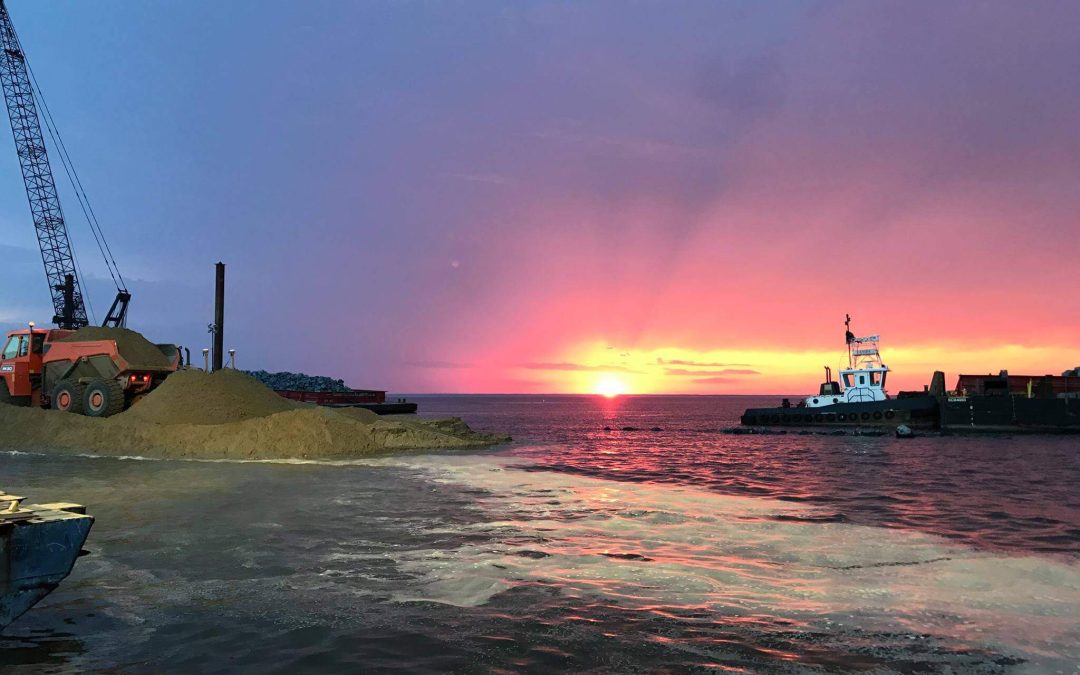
(298,381)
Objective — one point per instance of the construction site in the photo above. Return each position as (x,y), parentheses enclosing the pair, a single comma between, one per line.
(106,389)
(229,415)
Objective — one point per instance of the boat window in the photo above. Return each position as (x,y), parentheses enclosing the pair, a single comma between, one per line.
(862,379)
(847,380)
(12,348)
(875,378)
(883,380)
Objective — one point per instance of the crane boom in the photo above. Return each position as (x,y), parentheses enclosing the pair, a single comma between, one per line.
(38,179)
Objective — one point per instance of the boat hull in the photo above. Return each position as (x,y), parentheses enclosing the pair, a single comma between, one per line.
(38,548)
(958,414)
(1011,414)
(920,412)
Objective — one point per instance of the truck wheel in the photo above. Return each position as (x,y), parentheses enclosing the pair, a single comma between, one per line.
(67,396)
(103,398)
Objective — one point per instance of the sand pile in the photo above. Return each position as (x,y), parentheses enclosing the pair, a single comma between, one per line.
(136,350)
(229,415)
(195,397)
(367,417)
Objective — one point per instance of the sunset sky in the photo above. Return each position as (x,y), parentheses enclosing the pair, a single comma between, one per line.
(572,197)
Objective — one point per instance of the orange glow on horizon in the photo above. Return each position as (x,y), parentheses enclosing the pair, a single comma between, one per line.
(603,369)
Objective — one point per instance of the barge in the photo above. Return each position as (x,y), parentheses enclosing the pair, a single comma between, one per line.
(39,544)
(1013,403)
(990,403)
(329,392)
(370,399)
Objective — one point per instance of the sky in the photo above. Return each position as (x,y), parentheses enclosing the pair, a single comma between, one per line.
(639,197)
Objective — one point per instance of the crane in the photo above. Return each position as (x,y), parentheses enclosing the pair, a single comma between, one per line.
(61,267)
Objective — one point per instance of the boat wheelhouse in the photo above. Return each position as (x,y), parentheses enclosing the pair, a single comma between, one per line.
(863,381)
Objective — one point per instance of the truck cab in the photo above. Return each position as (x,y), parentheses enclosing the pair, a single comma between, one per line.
(21,364)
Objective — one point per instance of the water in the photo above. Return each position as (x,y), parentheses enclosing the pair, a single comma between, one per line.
(677,550)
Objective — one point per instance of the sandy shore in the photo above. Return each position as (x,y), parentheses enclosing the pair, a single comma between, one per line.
(229,415)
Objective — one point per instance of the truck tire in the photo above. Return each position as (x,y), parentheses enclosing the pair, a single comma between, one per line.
(103,398)
(67,396)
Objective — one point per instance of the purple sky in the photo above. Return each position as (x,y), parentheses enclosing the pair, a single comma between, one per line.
(443,196)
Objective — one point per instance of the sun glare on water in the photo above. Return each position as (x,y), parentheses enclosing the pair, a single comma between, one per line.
(610,386)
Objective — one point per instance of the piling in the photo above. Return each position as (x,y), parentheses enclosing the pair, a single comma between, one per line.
(219,315)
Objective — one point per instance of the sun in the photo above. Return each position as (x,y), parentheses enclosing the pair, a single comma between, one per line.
(610,386)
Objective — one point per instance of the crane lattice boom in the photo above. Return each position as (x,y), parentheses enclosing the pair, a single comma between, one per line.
(37,176)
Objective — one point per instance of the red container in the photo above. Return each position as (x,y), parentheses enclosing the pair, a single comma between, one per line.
(334,398)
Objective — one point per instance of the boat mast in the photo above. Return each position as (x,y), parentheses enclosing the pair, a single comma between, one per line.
(849,337)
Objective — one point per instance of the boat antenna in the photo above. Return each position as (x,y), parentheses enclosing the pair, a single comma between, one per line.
(849,337)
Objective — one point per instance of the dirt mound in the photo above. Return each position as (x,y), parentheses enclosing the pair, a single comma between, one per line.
(196,397)
(136,349)
(229,415)
(359,414)
(305,432)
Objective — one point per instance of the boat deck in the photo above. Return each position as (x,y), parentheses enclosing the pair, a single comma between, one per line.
(39,544)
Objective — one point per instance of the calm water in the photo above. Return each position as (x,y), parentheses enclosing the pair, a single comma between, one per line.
(672,547)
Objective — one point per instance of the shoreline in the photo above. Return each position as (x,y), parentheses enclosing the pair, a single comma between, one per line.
(300,433)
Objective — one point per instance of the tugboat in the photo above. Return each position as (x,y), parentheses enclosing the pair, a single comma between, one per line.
(38,547)
(859,399)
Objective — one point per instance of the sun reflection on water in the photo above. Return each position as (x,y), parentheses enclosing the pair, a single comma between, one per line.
(670,552)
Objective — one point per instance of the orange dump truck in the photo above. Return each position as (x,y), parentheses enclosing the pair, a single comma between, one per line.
(92,371)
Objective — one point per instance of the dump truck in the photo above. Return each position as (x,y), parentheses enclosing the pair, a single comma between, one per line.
(96,373)
(93,371)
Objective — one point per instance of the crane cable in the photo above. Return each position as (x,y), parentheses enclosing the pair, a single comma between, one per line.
(77,187)
(74,256)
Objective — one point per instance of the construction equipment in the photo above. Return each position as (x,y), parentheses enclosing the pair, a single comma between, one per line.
(61,268)
(98,375)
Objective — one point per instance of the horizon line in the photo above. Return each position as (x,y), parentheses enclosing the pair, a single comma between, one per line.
(495,393)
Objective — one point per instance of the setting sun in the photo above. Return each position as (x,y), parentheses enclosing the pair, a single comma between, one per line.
(610,386)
